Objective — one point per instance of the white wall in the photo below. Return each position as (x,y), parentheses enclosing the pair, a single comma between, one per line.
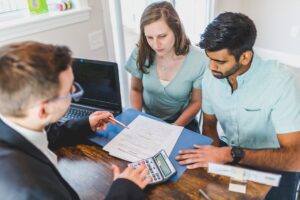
(275,20)
(75,35)
(193,16)
(277,23)
(227,5)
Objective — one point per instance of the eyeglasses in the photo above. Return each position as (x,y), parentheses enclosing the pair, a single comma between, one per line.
(76,93)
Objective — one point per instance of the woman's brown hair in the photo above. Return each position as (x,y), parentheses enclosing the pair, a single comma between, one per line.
(154,12)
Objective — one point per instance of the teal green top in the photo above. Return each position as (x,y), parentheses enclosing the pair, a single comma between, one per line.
(265,103)
(170,101)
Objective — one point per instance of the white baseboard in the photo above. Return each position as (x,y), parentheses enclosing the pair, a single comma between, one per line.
(289,59)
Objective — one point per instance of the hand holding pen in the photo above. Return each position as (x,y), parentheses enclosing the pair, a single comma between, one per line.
(99,119)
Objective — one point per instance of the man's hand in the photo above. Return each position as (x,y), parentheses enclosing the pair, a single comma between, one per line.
(138,175)
(99,119)
(202,155)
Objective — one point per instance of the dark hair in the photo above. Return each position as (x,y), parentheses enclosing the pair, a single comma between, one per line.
(233,31)
(30,70)
(153,13)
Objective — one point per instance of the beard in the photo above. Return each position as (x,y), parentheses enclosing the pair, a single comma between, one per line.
(220,75)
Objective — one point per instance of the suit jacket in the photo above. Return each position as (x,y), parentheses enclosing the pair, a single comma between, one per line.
(26,173)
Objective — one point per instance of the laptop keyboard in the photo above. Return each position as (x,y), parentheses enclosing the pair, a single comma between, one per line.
(77,113)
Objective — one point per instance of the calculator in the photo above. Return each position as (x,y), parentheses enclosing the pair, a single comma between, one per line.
(159,166)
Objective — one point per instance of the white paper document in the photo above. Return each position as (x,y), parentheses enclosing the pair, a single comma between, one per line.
(144,138)
(244,174)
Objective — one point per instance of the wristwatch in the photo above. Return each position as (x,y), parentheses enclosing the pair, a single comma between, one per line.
(237,154)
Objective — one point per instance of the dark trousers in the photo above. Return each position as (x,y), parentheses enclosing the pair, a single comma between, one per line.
(287,189)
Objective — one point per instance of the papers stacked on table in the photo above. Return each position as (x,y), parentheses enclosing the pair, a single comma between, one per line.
(144,138)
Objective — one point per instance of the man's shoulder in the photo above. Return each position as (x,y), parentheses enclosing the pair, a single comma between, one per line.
(274,68)
(281,74)
(273,78)
(17,165)
(25,177)
(271,73)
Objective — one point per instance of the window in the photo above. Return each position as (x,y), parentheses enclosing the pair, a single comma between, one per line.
(10,9)
(15,7)
(12,5)
(16,20)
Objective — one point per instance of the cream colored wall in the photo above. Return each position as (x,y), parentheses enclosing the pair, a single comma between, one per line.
(277,22)
(227,5)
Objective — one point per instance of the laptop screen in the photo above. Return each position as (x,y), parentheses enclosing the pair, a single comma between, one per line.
(100,81)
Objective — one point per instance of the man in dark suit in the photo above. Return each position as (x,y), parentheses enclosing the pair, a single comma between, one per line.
(36,88)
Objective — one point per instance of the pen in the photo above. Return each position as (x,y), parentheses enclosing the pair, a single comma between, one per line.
(202,193)
(118,122)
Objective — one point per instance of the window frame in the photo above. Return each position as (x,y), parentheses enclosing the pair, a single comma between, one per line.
(25,24)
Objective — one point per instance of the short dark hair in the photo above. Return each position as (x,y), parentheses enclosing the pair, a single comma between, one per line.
(233,31)
(30,70)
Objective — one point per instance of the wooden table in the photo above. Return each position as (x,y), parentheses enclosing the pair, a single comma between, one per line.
(88,169)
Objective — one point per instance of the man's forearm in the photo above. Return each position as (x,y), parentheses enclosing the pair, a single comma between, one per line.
(274,159)
(69,132)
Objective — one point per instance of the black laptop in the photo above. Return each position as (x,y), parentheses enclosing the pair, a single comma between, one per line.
(100,82)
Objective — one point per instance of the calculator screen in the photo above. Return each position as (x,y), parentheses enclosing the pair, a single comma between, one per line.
(163,165)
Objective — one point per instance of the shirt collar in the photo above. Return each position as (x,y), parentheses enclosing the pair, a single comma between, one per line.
(30,135)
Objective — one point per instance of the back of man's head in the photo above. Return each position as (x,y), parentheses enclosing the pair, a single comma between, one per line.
(29,71)
(232,31)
